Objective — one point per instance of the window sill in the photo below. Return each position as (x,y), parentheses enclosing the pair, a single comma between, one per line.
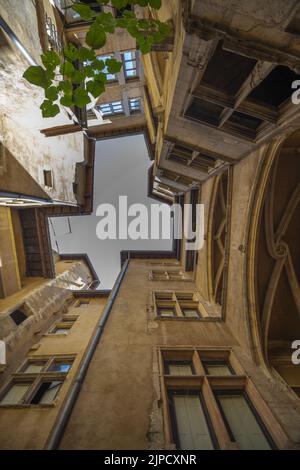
(53,335)
(28,406)
(207,319)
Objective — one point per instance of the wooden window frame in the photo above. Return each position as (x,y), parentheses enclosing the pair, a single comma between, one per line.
(174,300)
(209,386)
(166,275)
(136,59)
(256,415)
(36,379)
(199,394)
(48,174)
(67,322)
(185,363)
(216,363)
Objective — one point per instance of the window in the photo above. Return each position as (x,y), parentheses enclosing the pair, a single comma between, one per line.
(53,36)
(190,312)
(217,368)
(60,366)
(166,312)
(130,64)
(63,327)
(46,392)
(135,105)
(82,302)
(33,367)
(160,275)
(177,305)
(37,382)
(243,426)
(192,430)
(15,393)
(207,403)
(48,179)
(179,368)
(111,109)
(18,317)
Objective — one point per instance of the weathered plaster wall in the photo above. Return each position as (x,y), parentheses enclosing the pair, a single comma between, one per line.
(28,427)
(41,300)
(9,269)
(118,405)
(20,116)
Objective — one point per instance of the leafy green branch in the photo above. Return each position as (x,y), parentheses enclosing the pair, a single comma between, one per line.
(67,84)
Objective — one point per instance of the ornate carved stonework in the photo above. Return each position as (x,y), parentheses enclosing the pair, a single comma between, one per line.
(218,237)
(278,252)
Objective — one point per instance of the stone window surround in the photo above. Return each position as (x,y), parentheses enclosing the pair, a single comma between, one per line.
(36,379)
(208,385)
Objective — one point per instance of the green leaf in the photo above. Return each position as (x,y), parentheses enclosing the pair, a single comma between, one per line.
(81,97)
(113,66)
(66,87)
(101,77)
(67,69)
(71,52)
(36,75)
(52,93)
(96,36)
(98,64)
(50,60)
(156,4)
(84,11)
(67,101)
(88,71)
(85,54)
(95,87)
(49,109)
(77,77)
(107,21)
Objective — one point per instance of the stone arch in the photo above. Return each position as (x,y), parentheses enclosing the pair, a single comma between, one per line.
(273,262)
(218,243)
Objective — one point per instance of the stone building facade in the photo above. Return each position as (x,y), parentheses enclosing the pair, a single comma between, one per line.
(190,350)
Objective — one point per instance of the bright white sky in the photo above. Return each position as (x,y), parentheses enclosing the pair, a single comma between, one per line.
(121,168)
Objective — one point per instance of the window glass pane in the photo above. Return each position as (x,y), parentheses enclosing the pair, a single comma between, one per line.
(242,422)
(185,296)
(34,368)
(46,393)
(15,394)
(192,428)
(59,367)
(217,368)
(60,331)
(130,66)
(18,317)
(180,369)
(190,312)
(166,312)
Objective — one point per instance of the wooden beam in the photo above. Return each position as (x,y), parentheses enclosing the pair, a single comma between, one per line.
(61,130)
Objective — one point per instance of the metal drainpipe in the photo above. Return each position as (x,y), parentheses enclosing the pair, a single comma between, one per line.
(60,425)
